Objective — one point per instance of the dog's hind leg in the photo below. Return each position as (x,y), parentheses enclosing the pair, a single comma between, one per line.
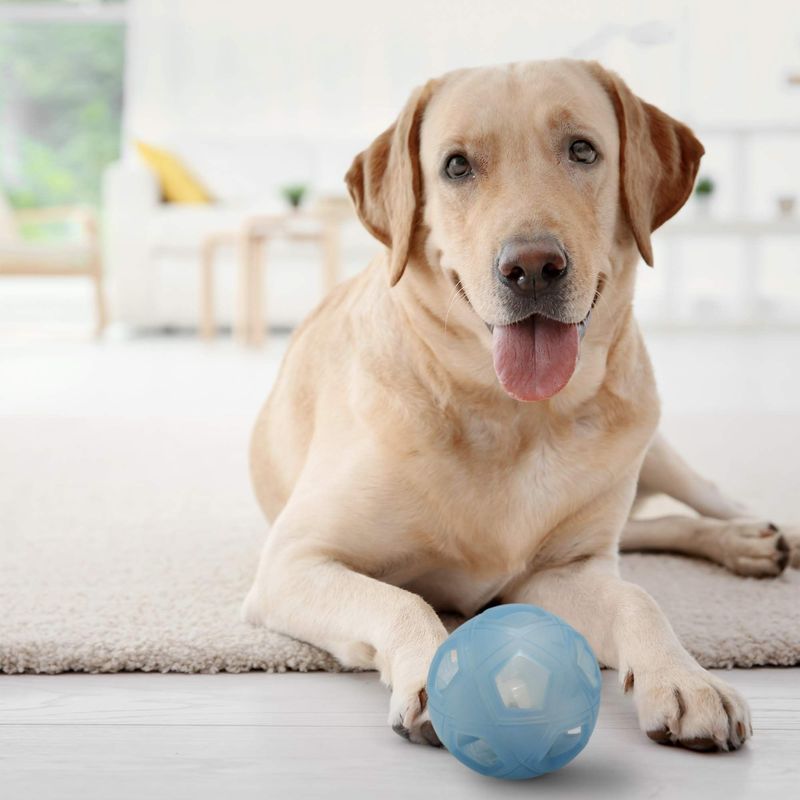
(724,532)
(665,471)
(743,546)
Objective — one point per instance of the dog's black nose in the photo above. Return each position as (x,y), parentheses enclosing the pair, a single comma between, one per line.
(530,266)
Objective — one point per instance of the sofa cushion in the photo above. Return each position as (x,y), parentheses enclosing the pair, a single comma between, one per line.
(186,227)
(178,184)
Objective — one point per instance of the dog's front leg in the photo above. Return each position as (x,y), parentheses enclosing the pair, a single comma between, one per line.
(743,542)
(678,702)
(307,594)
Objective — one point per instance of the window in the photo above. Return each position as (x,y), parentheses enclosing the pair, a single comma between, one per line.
(61,82)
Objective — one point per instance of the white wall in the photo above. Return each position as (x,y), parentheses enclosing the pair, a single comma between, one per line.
(343,68)
(336,73)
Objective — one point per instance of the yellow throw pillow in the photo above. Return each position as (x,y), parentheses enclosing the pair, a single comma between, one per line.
(178,185)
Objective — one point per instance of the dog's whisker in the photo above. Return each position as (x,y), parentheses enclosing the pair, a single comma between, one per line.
(458,290)
(597,300)
(598,292)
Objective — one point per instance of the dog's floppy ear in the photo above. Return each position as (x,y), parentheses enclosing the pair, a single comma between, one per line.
(658,160)
(385,183)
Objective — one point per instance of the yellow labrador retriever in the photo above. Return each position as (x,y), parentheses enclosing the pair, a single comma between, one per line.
(466,421)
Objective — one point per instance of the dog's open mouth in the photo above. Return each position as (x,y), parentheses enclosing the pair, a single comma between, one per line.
(535,357)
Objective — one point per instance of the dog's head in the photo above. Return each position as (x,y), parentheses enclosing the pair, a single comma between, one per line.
(523,184)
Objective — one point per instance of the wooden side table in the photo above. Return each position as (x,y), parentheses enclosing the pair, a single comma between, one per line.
(208,253)
(324,230)
(321,226)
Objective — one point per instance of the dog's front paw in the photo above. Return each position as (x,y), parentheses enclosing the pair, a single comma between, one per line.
(254,608)
(409,717)
(754,548)
(791,533)
(689,707)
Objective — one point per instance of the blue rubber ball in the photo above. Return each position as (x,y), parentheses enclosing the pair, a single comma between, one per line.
(514,692)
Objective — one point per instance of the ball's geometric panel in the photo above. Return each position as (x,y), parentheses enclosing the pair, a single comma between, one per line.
(519,619)
(486,642)
(588,663)
(478,750)
(448,667)
(514,692)
(565,742)
(522,683)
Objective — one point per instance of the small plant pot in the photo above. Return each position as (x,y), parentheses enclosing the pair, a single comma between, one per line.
(294,195)
(702,205)
(786,206)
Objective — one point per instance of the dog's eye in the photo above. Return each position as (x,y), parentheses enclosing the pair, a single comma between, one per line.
(582,152)
(457,167)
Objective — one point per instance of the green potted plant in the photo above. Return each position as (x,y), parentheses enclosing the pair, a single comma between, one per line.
(703,192)
(294,194)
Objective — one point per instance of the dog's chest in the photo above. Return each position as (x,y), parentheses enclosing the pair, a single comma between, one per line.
(507,489)
(492,515)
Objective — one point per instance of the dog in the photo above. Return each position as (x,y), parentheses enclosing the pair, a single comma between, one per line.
(467,421)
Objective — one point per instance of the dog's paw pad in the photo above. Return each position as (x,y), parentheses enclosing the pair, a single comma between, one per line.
(691,708)
(753,548)
(409,718)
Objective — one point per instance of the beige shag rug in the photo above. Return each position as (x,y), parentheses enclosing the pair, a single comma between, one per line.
(128,545)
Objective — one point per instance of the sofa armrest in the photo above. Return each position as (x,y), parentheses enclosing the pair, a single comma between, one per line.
(131,198)
(130,185)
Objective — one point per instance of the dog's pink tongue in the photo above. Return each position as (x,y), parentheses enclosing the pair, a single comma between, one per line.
(535,358)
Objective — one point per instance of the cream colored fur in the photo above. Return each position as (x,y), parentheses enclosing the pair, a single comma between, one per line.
(398,476)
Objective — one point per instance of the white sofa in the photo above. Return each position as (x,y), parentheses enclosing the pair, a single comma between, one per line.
(152,249)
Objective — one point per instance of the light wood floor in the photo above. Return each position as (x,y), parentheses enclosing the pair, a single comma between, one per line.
(149,736)
(235,737)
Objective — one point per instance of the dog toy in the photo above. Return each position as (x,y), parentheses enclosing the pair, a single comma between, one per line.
(514,692)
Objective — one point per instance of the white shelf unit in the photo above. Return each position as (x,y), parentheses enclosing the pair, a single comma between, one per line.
(732,227)
(741,225)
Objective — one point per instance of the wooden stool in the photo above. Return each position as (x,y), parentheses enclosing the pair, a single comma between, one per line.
(259,230)
(208,253)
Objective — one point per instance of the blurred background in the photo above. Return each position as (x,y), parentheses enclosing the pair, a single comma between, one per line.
(172,205)
(261,104)
(171,177)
